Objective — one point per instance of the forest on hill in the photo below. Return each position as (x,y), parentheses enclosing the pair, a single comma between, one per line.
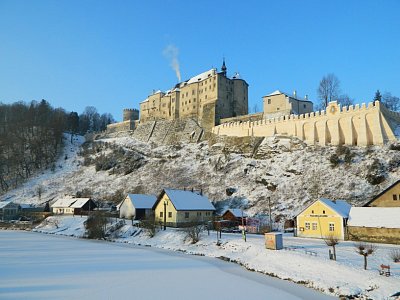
(31,136)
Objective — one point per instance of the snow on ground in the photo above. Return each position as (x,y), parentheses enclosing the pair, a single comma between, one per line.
(342,277)
(67,164)
(34,266)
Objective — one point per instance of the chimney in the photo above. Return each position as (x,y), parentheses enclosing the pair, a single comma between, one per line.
(306,97)
(294,94)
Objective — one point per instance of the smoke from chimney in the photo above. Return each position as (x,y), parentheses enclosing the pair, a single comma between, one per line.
(171,52)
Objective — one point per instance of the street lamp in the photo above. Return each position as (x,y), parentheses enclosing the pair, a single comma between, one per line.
(165,215)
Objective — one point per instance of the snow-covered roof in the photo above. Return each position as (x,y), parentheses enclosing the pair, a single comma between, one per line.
(80,202)
(279,92)
(202,76)
(64,202)
(340,206)
(5,203)
(187,200)
(25,206)
(237,212)
(377,217)
(141,201)
(145,100)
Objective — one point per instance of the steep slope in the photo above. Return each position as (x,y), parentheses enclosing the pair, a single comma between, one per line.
(232,170)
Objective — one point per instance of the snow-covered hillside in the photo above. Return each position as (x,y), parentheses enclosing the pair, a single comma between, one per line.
(231,170)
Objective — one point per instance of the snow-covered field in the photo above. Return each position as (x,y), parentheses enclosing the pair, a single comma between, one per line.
(34,266)
(342,277)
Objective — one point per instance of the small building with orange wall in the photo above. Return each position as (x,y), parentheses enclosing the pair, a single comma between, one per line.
(323,218)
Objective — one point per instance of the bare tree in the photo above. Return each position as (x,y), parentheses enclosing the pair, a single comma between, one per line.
(39,191)
(365,250)
(391,102)
(332,240)
(328,89)
(345,100)
(193,231)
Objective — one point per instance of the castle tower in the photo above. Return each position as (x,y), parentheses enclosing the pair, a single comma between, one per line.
(223,68)
(130,114)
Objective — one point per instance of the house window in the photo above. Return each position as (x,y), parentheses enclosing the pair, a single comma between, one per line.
(331,226)
(307,225)
(304,106)
(161,214)
(312,211)
(269,101)
(314,226)
(323,212)
(187,215)
(199,214)
(170,214)
(394,197)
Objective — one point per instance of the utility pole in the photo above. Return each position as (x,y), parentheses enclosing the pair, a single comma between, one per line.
(165,215)
(243,229)
(269,212)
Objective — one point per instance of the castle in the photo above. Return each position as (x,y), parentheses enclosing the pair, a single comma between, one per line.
(207,98)
(219,104)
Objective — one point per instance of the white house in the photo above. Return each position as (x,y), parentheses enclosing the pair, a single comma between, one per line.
(137,206)
(73,206)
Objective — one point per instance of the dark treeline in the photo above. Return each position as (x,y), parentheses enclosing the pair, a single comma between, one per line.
(31,137)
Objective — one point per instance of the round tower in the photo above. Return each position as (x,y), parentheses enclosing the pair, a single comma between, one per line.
(130,114)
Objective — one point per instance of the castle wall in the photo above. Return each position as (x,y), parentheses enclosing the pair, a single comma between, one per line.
(121,126)
(354,125)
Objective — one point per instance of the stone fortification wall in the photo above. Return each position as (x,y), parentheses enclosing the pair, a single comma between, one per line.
(354,125)
(121,126)
(169,132)
(245,118)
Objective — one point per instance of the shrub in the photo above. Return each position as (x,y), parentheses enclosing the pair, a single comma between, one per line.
(375,174)
(150,225)
(395,255)
(96,225)
(193,232)
(334,160)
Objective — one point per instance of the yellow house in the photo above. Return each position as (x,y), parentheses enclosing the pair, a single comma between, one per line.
(390,197)
(178,207)
(322,218)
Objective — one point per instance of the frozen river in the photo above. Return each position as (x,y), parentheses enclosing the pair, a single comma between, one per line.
(38,266)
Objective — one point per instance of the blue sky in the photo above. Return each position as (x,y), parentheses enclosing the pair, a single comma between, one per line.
(109,54)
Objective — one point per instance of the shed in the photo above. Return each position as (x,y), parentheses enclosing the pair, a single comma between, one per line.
(137,206)
(235,215)
(375,224)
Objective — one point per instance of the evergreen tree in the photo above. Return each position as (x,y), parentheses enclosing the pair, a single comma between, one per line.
(378,96)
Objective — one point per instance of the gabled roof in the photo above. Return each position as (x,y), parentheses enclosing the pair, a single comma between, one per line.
(64,202)
(237,212)
(186,200)
(141,201)
(5,203)
(80,202)
(381,193)
(341,207)
(376,217)
(201,76)
(279,92)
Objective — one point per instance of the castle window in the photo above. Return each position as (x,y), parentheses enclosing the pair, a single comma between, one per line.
(189,101)
(192,92)
(187,94)
(194,107)
(277,108)
(205,89)
(269,101)
(194,100)
(394,197)
(305,106)
(206,97)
